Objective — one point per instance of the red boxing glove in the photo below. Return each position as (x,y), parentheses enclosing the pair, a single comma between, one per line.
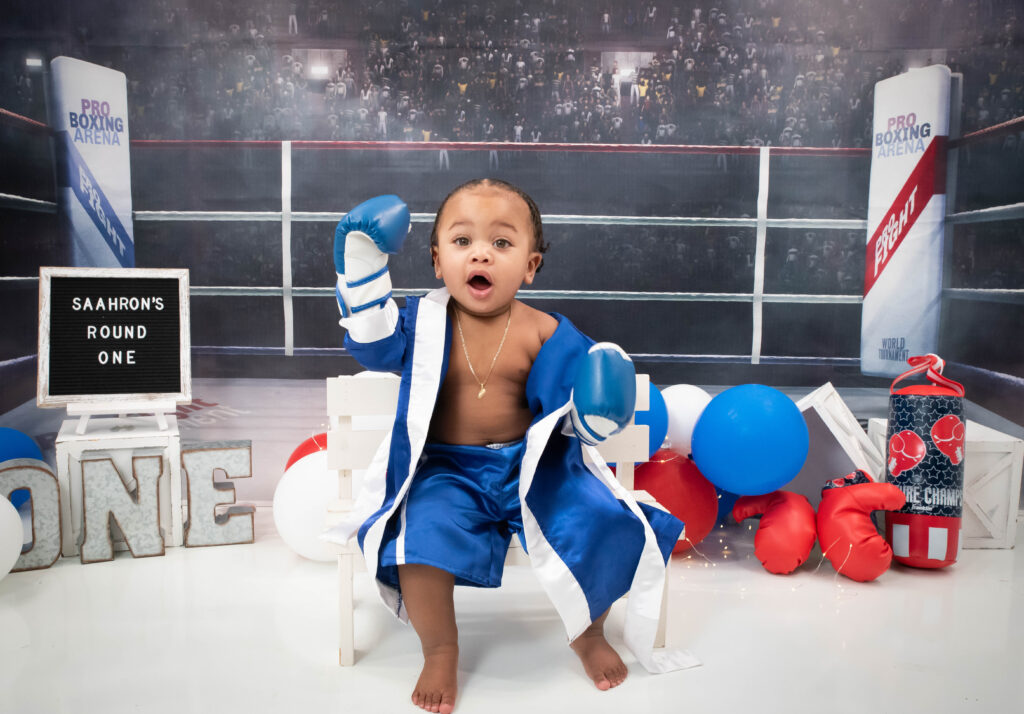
(786,534)
(846,532)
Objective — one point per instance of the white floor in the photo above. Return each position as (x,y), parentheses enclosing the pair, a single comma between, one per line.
(250,628)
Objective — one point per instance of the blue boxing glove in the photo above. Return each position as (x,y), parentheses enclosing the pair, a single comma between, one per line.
(362,241)
(604,393)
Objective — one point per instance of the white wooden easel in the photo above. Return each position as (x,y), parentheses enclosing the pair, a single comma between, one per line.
(122,437)
(118,438)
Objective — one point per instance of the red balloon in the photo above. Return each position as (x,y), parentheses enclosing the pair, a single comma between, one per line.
(676,484)
(315,443)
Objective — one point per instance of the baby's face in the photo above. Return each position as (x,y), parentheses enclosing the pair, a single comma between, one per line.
(485,249)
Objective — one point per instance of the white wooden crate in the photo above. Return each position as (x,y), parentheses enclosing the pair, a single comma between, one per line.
(838,444)
(992,471)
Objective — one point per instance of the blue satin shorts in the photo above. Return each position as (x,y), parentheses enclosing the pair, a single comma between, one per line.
(460,513)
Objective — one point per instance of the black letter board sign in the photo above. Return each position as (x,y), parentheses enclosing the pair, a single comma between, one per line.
(110,335)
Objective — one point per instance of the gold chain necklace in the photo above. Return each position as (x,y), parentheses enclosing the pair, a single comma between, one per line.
(465,351)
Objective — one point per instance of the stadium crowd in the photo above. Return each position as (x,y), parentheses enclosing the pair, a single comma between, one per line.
(723,72)
(753,72)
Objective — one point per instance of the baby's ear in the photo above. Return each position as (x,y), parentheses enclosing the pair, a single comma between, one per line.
(532,265)
(433,259)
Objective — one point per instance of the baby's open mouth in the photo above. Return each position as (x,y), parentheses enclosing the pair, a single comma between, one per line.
(479,282)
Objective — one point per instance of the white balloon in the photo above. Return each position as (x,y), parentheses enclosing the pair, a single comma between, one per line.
(300,506)
(11,536)
(684,403)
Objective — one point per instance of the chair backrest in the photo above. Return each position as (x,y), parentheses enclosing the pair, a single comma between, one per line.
(356,405)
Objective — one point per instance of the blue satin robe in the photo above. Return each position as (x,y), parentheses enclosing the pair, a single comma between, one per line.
(583,565)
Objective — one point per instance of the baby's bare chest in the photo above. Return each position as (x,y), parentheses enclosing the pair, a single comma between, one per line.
(477,407)
(507,374)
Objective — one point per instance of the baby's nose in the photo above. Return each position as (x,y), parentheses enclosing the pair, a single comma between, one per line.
(481,253)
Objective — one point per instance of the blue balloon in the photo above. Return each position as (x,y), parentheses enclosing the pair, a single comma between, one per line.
(656,419)
(16,445)
(726,501)
(750,440)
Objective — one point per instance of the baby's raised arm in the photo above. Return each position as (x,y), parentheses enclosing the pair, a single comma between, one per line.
(361,241)
(368,313)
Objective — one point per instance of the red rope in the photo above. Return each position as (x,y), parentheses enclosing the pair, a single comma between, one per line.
(19,119)
(525,146)
(1007,127)
(819,151)
(204,143)
(991,132)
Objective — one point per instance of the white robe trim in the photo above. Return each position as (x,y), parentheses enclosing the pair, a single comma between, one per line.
(554,575)
(428,355)
(643,605)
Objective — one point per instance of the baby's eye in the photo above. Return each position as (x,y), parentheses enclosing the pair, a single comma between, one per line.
(502,243)
(461,240)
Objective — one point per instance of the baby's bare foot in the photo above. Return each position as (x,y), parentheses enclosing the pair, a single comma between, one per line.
(436,687)
(601,663)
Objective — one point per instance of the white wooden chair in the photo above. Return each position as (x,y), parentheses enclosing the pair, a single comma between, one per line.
(350,449)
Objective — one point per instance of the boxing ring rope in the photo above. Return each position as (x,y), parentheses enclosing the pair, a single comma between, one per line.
(27,123)
(636,356)
(21,203)
(273,291)
(24,203)
(1009,126)
(549,219)
(1008,212)
(761,223)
